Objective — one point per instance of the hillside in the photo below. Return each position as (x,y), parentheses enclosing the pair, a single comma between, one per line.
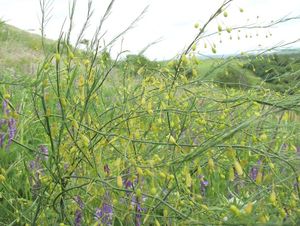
(20,51)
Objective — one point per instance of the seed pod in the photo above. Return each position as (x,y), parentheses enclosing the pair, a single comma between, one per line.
(119,181)
(6,96)
(85,140)
(194,47)
(248,208)
(213,49)
(264,136)
(211,164)
(235,210)
(139,171)
(238,168)
(2,178)
(273,197)
(57,57)
(157,222)
(231,174)
(229,30)
(172,139)
(153,191)
(259,177)
(138,193)
(162,174)
(188,180)
(220,28)
(75,124)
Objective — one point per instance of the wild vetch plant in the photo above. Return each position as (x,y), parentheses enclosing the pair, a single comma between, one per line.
(97,143)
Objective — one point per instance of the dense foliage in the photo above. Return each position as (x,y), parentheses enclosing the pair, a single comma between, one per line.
(91,140)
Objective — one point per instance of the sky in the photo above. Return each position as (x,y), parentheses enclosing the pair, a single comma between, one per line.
(169,23)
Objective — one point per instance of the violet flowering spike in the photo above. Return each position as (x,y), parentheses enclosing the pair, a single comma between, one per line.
(254,170)
(203,184)
(11,130)
(104,214)
(78,217)
(79,201)
(2,138)
(128,183)
(137,204)
(2,122)
(32,165)
(253,173)
(138,215)
(44,151)
(4,106)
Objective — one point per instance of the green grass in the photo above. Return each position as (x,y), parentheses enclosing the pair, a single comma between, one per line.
(187,143)
(20,51)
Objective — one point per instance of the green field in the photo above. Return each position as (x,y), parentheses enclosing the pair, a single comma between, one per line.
(89,140)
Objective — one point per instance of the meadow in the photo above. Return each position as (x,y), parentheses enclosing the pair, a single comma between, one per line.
(86,139)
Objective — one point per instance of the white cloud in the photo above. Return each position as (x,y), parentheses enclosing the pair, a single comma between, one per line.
(171,20)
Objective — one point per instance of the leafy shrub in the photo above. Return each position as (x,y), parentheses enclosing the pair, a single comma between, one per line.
(233,76)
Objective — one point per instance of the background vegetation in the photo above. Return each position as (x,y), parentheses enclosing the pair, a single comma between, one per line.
(86,139)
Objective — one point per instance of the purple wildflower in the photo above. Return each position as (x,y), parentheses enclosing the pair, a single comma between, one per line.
(2,135)
(2,138)
(11,126)
(2,122)
(138,215)
(79,201)
(4,107)
(137,204)
(12,129)
(254,170)
(106,169)
(104,214)
(36,167)
(32,165)
(44,152)
(128,183)
(203,184)
(78,217)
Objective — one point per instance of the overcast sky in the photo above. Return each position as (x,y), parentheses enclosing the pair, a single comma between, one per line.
(170,21)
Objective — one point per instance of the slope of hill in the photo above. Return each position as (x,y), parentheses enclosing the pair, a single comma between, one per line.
(19,50)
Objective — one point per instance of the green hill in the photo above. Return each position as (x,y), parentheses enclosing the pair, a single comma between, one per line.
(20,50)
